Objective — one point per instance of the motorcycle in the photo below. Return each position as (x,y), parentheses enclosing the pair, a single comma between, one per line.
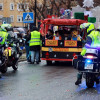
(88,65)
(12,54)
(3,58)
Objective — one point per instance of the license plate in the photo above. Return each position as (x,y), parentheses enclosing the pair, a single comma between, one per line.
(88,66)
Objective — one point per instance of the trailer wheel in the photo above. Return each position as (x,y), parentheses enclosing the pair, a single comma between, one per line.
(49,62)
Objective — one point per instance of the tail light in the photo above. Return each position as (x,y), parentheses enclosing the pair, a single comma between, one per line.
(47,55)
(9,48)
(75,56)
(90,57)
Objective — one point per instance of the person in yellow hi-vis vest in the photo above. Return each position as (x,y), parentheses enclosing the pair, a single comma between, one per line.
(35,44)
(4,35)
(93,40)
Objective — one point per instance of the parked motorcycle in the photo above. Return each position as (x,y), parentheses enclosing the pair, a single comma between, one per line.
(12,54)
(3,59)
(89,66)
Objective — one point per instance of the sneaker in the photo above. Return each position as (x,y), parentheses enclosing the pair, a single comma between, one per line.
(37,62)
(31,62)
(78,82)
(97,81)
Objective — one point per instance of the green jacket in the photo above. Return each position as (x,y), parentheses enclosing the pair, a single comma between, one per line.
(95,41)
(4,36)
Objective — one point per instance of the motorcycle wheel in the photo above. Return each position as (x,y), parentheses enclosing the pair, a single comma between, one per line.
(89,80)
(3,69)
(15,66)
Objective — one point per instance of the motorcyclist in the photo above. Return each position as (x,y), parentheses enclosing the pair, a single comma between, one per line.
(93,40)
(14,40)
(5,36)
(9,30)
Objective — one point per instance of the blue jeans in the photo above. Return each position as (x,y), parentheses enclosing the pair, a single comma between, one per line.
(27,51)
(35,55)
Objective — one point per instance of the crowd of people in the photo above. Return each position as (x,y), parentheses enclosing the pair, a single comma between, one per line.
(33,45)
(71,34)
(33,41)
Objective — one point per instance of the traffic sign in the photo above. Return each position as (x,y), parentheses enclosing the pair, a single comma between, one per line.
(28,17)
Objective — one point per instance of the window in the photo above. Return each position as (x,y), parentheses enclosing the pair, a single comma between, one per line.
(12,18)
(22,6)
(1,6)
(1,16)
(19,18)
(26,6)
(11,6)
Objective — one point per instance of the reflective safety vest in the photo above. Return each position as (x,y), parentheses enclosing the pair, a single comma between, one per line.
(35,38)
(95,36)
(3,37)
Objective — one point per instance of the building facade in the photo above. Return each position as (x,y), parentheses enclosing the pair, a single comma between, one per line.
(12,9)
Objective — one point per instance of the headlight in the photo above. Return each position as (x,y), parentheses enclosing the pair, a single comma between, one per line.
(20,40)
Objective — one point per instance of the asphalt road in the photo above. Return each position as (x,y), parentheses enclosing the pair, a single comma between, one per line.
(42,82)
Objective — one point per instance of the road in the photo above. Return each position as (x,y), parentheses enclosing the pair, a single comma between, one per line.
(42,82)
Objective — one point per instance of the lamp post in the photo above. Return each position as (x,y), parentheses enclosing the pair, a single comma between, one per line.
(35,11)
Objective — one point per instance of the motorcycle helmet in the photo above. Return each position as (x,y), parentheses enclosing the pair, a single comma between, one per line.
(5,27)
(87,26)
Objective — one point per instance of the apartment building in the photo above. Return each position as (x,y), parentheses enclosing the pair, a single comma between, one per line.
(12,9)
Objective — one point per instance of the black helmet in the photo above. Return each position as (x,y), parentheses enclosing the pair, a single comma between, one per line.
(34,28)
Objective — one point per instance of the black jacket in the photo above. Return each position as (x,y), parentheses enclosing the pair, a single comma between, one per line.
(26,40)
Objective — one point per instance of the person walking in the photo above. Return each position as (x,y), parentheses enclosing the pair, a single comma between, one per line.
(35,45)
(27,44)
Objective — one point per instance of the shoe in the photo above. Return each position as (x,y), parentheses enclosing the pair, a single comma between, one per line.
(31,62)
(37,62)
(97,81)
(78,82)
(0,75)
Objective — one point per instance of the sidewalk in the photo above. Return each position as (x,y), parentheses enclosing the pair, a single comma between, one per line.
(23,57)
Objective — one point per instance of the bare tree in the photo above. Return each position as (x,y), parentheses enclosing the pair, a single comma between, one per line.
(45,7)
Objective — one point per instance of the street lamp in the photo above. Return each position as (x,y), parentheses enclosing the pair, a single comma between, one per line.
(35,11)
